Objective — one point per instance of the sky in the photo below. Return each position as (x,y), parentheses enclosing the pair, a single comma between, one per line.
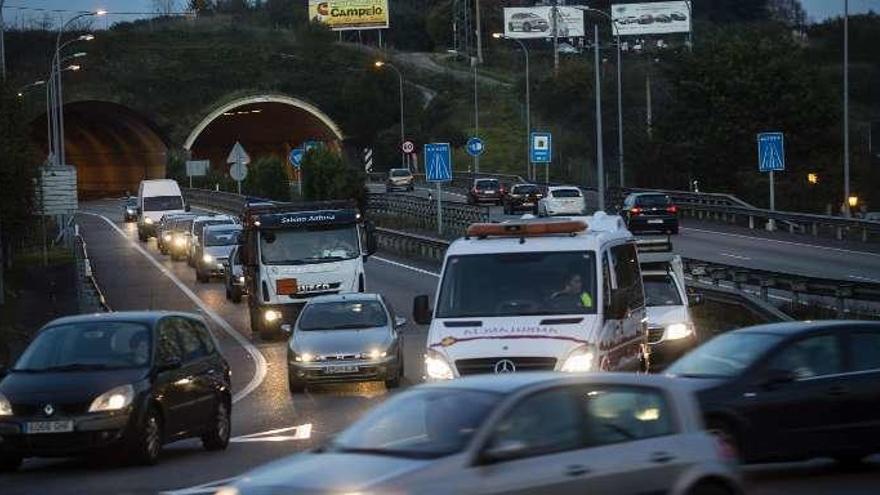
(817,10)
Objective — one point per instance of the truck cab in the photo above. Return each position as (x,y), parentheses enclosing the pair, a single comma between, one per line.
(561,294)
(293,252)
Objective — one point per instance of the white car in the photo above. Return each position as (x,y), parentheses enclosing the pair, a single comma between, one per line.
(562,200)
(536,433)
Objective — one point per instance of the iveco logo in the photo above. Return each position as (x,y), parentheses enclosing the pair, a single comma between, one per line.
(49,409)
(504,366)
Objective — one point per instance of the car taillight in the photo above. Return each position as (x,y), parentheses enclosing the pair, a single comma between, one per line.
(672,209)
(635,211)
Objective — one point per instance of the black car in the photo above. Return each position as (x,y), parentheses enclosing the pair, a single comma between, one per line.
(522,197)
(486,191)
(791,391)
(130,213)
(650,212)
(124,382)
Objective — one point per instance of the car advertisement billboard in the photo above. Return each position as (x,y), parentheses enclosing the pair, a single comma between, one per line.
(536,22)
(340,15)
(651,18)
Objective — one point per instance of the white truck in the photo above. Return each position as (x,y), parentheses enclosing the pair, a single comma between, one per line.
(156,198)
(561,294)
(295,251)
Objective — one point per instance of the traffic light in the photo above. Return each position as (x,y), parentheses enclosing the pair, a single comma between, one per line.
(813,178)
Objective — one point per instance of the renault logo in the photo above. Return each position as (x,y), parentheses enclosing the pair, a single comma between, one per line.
(504,366)
(49,409)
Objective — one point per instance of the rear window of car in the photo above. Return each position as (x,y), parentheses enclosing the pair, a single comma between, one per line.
(399,172)
(343,315)
(486,184)
(566,193)
(525,189)
(653,200)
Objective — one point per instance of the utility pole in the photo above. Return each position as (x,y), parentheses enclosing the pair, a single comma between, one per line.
(554,14)
(846,190)
(600,180)
(478,32)
(648,116)
(476,114)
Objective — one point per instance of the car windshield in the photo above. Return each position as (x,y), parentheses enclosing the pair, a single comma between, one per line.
(653,200)
(163,203)
(221,237)
(661,290)
(343,315)
(200,225)
(317,244)
(726,355)
(88,345)
(425,423)
(566,193)
(486,184)
(518,284)
(131,202)
(400,172)
(525,190)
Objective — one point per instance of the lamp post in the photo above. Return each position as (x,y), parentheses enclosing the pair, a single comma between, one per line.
(380,64)
(530,170)
(600,180)
(846,195)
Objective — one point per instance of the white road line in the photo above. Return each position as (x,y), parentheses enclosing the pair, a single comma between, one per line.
(777,241)
(408,267)
(865,279)
(301,432)
(256,355)
(735,256)
(203,489)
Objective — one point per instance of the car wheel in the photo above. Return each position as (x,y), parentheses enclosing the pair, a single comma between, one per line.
(9,463)
(726,434)
(710,488)
(295,386)
(236,295)
(217,438)
(148,442)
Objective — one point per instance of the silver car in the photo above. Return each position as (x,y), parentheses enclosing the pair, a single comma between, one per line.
(217,242)
(524,433)
(234,276)
(345,338)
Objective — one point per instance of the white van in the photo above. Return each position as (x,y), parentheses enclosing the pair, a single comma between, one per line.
(560,294)
(156,198)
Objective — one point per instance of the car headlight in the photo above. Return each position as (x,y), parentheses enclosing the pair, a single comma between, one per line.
(207,258)
(304,358)
(241,280)
(271,316)
(677,331)
(148,221)
(114,399)
(437,367)
(5,406)
(374,354)
(580,360)
(166,237)
(180,241)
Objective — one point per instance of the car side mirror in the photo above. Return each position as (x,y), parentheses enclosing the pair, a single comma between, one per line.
(169,364)
(776,377)
(287,329)
(619,305)
(421,310)
(399,321)
(508,449)
(695,299)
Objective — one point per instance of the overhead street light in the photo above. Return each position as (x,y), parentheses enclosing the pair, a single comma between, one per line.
(530,168)
(379,64)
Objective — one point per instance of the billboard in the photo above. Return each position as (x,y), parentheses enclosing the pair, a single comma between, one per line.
(651,18)
(340,15)
(536,22)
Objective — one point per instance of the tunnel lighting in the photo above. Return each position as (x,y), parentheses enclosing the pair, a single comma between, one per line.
(78,55)
(20,94)
(73,67)
(853,201)
(256,111)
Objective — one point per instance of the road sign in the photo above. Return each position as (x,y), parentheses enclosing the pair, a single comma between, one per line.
(541,147)
(238,171)
(438,162)
(475,146)
(311,145)
(408,147)
(197,168)
(296,157)
(771,152)
(368,160)
(238,155)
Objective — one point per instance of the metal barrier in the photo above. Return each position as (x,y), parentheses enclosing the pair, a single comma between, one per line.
(421,213)
(89,292)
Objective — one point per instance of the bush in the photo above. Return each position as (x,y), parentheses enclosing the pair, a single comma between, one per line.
(267,178)
(326,176)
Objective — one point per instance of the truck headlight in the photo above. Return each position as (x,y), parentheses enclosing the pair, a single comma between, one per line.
(271,316)
(241,280)
(207,258)
(179,241)
(114,399)
(580,360)
(677,331)
(437,367)
(5,406)
(166,237)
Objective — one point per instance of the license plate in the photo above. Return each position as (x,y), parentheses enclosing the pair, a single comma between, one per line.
(49,427)
(655,221)
(528,203)
(336,369)
(489,191)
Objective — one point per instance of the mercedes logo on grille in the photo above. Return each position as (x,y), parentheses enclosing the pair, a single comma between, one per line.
(504,366)
(49,409)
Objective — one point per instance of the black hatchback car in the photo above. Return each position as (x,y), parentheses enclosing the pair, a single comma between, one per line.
(791,391)
(650,212)
(522,197)
(486,191)
(125,382)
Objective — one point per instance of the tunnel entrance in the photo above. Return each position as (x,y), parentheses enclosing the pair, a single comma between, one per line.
(112,147)
(264,125)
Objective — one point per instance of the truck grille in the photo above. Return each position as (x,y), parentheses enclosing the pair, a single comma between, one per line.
(488,365)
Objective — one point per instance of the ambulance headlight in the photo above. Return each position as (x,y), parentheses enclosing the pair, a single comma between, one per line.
(580,360)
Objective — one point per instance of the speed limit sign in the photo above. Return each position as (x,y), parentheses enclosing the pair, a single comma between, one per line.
(408,147)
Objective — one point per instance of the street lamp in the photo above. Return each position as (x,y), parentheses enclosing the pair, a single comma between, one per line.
(846,105)
(380,64)
(530,169)
(27,87)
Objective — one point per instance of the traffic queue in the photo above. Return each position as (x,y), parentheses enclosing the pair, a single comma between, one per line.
(561,356)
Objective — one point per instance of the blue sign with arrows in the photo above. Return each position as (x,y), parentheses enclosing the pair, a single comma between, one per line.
(475,146)
(541,147)
(438,162)
(296,157)
(771,152)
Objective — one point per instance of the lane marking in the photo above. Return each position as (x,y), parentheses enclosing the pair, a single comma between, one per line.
(300,432)
(408,267)
(210,487)
(735,256)
(865,279)
(256,355)
(777,241)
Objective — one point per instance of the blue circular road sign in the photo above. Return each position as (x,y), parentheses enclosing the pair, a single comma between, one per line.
(475,146)
(296,157)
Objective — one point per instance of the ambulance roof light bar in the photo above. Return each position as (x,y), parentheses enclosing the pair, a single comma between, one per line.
(525,229)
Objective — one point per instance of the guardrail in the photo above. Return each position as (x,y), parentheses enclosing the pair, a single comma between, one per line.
(90,295)
(421,213)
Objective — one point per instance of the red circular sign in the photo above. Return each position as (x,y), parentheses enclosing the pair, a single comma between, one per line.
(408,147)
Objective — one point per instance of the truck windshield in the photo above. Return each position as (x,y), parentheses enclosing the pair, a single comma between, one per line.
(163,203)
(309,245)
(518,284)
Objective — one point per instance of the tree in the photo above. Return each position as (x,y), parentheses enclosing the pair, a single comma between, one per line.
(164,7)
(17,170)
(267,178)
(326,176)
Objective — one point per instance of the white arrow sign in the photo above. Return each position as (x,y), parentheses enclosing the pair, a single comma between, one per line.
(238,155)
